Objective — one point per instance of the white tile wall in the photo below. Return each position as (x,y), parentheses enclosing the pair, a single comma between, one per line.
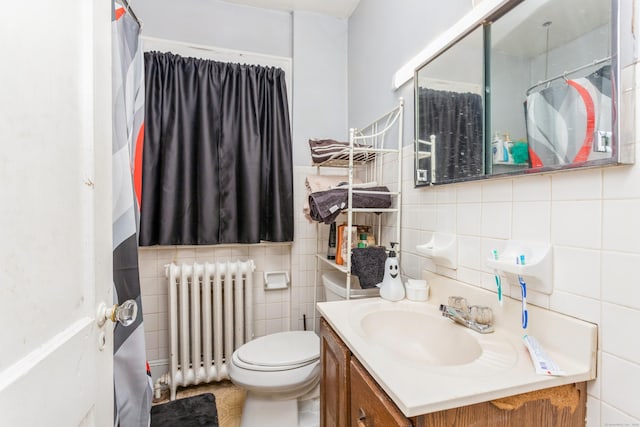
(618,273)
(619,385)
(274,311)
(620,225)
(592,219)
(616,318)
(271,308)
(577,271)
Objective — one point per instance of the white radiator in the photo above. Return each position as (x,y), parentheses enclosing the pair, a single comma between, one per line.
(210,315)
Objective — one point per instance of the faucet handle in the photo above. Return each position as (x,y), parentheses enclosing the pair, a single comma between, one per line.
(459,303)
(481,314)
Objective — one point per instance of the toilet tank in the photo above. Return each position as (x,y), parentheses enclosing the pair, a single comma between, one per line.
(334,283)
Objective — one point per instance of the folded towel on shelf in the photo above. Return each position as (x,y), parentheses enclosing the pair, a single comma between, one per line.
(325,206)
(323,150)
(315,183)
(325,182)
(368,265)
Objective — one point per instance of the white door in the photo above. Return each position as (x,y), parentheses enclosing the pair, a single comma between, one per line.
(55,213)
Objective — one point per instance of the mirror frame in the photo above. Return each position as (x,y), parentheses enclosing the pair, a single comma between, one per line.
(623,148)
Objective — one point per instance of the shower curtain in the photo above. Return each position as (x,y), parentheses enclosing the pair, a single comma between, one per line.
(131,376)
(218,155)
(455,118)
(563,118)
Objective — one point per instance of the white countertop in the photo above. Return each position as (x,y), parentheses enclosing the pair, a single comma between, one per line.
(420,388)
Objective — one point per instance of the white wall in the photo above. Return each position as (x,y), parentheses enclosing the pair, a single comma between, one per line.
(514,74)
(567,57)
(383,35)
(320,81)
(217,23)
(317,45)
(591,217)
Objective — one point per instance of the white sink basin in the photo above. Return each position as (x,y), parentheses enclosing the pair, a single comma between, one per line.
(417,334)
(427,363)
(421,337)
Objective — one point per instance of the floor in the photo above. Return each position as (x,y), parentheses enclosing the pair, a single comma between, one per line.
(229,400)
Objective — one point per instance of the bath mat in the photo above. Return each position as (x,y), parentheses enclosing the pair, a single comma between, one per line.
(195,411)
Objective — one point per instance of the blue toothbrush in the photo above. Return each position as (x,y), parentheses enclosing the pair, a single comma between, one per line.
(498,281)
(523,286)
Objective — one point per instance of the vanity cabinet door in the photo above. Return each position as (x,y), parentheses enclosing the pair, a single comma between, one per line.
(370,406)
(334,380)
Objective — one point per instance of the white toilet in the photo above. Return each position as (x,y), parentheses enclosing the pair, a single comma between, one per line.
(278,371)
(281,371)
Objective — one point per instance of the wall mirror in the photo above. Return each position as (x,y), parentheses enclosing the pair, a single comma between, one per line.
(531,91)
(449,113)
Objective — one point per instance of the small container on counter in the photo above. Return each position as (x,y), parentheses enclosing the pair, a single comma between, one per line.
(417,290)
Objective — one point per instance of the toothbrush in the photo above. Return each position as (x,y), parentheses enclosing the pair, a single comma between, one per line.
(523,286)
(498,281)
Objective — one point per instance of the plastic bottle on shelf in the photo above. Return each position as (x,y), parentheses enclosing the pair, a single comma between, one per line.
(331,250)
(496,148)
(371,240)
(508,157)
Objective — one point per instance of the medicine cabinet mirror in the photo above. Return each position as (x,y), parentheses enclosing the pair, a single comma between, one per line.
(531,91)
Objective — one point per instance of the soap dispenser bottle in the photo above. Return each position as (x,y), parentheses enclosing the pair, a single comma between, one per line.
(391,287)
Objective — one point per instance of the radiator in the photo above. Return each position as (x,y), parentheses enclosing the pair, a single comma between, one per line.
(210,316)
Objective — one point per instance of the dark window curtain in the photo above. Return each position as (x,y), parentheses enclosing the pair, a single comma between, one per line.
(217,162)
(456,121)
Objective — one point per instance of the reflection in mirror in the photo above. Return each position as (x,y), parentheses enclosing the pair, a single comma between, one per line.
(549,81)
(449,113)
(550,84)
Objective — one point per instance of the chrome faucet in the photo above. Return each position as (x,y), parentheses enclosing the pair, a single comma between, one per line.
(478,318)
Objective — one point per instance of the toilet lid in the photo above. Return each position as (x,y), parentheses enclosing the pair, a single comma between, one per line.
(281,349)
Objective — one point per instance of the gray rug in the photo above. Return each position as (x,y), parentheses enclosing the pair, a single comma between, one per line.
(195,411)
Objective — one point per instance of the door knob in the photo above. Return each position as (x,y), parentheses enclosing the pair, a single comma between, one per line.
(125,313)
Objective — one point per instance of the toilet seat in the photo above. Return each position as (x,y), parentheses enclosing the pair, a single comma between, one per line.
(278,352)
(277,371)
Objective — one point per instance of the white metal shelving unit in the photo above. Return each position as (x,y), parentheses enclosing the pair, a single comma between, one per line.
(375,142)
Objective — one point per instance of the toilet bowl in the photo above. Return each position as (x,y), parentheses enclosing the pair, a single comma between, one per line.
(335,287)
(277,371)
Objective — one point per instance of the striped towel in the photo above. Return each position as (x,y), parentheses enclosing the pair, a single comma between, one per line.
(324,150)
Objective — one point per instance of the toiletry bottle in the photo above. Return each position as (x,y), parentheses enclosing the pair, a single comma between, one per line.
(331,250)
(362,242)
(507,143)
(371,240)
(505,148)
(496,148)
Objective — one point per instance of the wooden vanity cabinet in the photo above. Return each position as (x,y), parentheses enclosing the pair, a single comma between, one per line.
(334,379)
(349,396)
(370,406)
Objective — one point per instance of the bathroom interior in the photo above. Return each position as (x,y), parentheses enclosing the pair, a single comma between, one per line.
(346,67)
